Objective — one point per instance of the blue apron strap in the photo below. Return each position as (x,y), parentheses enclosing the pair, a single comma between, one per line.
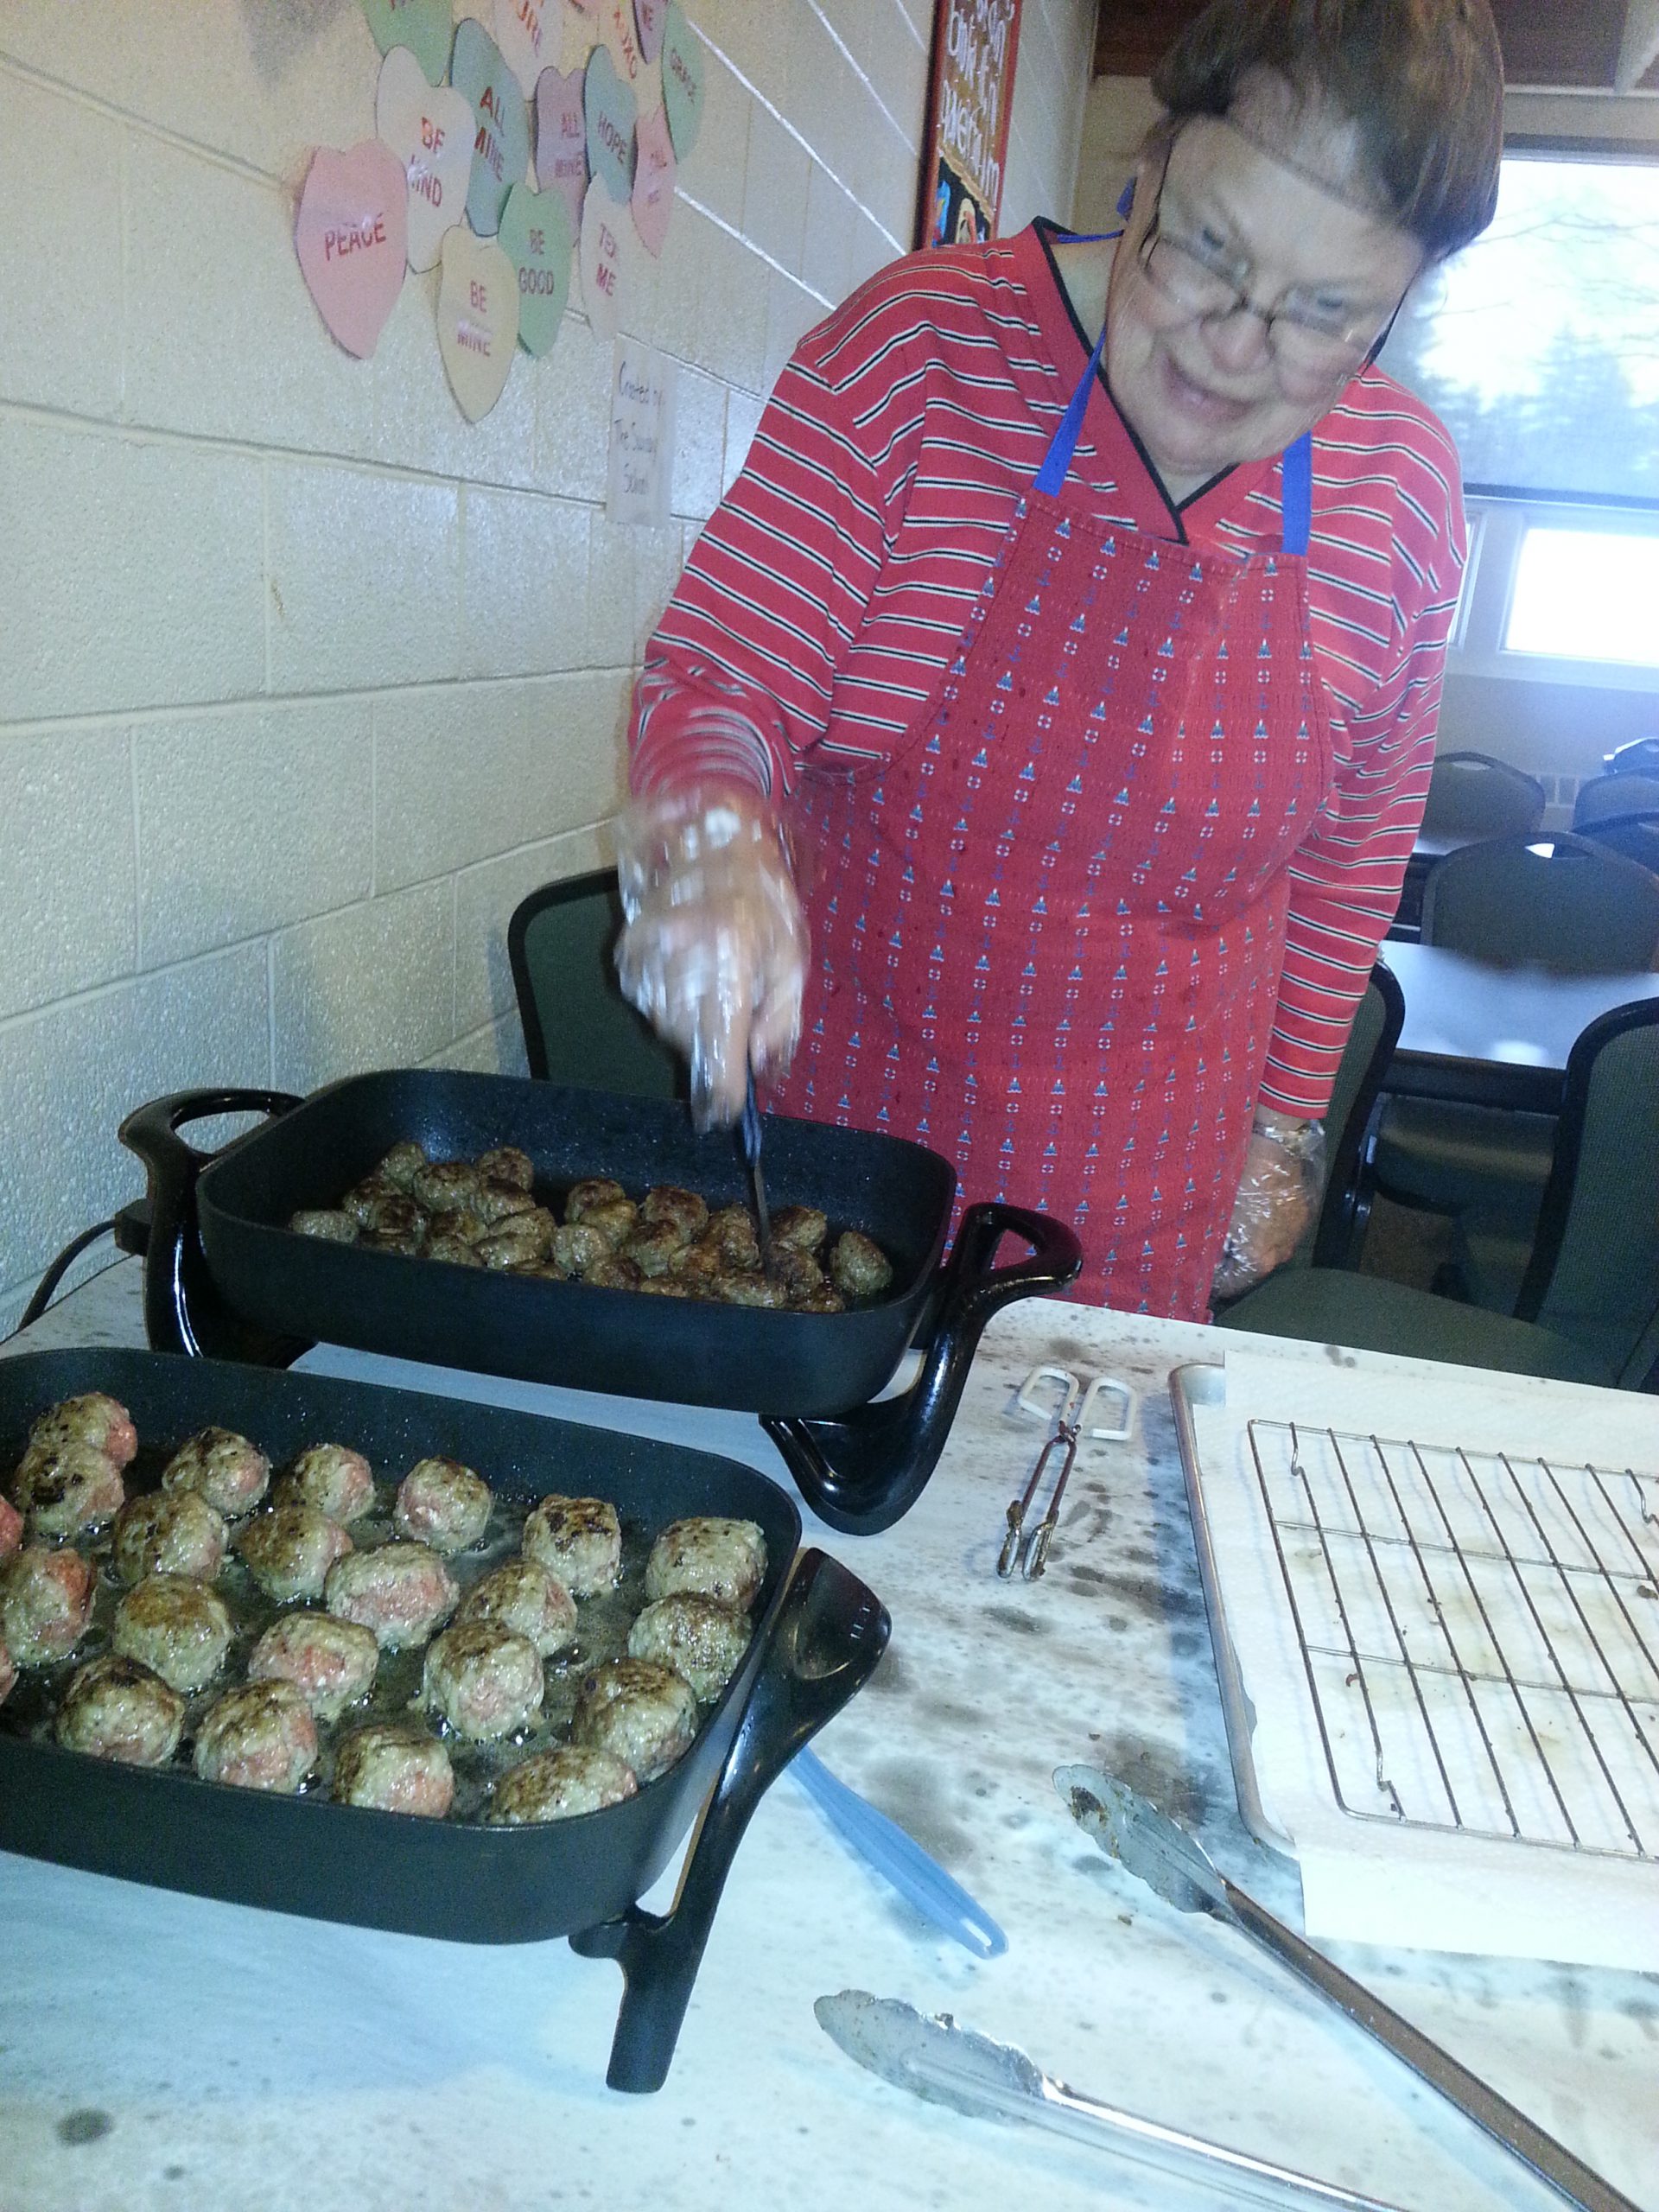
(1064,443)
(1296,477)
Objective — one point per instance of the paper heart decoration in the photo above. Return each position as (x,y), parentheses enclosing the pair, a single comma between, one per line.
(431,134)
(648,15)
(478,320)
(501,141)
(682,81)
(537,239)
(621,38)
(609,108)
(606,265)
(352,235)
(653,181)
(425,27)
(561,140)
(529,33)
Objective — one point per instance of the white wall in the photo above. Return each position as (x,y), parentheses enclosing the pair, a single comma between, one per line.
(303,683)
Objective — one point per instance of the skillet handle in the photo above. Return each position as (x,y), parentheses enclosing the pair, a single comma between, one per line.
(860,1471)
(183,1312)
(823,1642)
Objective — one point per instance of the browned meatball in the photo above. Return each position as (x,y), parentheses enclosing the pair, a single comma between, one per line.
(178,1627)
(332,1477)
(799,1229)
(577,1248)
(799,1271)
(593,1190)
(169,1532)
(667,1206)
(577,1538)
(11,1529)
(332,1224)
(448,1244)
(442,1503)
(748,1290)
(65,1488)
(403,1591)
(495,1205)
(446,1186)
(290,1548)
(522,1596)
(394,1770)
(506,1164)
(261,1737)
(696,1637)
(708,1556)
(558,1785)
(614,1224)
(519,1240)
(731,1235)
(46,1601)
(485,1681)
(654,1251)
(615,1271)
(221,1466)
(402,1164)
(696,1265)
(117,1709)
(333,1661)
(859,1266)
(94,1418)
(365,1200)
(644,1714)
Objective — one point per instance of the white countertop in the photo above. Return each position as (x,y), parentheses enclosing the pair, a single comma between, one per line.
(162,2051)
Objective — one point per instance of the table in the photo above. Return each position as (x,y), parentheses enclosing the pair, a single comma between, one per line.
(1493,1036)
(163,2054)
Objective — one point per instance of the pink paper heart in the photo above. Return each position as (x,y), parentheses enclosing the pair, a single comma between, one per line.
(649,14)
(653,181)
(351,237)
(561,140)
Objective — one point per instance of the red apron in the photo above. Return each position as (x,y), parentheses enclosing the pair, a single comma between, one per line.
(1047,933)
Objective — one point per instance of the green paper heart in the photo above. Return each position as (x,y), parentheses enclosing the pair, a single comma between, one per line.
(681,82)
(610,108)
(425,27)
(535,235)
(501,150)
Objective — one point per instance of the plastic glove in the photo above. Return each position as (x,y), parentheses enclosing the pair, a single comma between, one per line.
(715,951)
(1284,1172)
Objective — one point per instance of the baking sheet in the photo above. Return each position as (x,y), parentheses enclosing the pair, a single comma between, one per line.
(1368,1876)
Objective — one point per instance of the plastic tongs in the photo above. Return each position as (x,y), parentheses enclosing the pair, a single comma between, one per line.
(1071,1421)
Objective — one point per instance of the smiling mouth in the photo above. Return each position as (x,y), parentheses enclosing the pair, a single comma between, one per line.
(1197,399)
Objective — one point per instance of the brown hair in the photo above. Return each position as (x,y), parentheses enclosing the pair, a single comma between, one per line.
(1422,81)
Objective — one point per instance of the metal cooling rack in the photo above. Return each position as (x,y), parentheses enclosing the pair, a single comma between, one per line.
(1480,1634)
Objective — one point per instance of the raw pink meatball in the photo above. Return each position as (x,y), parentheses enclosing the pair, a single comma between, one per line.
(442,1503)
(394,1770)
(261,1737)
(223,1467)
(68,1487)
(95,1419)
(116,1708)
(525,1597)
(169,1532)
(11,1528)
(485,1681)
(403,1591)
(289,1550)
(335,1479)
(46,1601)
(331,1660)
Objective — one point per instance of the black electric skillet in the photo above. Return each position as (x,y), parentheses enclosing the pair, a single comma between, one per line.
(819,1632)
(226,1275)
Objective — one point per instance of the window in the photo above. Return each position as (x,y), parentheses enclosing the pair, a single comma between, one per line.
(1585,594)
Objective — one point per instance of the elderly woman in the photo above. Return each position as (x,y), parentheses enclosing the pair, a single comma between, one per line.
(1028,759)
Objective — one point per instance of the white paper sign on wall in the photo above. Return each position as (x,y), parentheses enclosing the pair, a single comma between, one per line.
(642,434)
(431,133)
(478,320)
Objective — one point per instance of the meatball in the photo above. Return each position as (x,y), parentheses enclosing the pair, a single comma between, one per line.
(446,1186)
(11,1529)
(178,1627)
(859,1266)
(221,1466)
(613,1223)
(522,1596)
(8,1672)
(331,1660)
(66,1487)
(442,1503)
(46,1601)
(797,1271)
(644,1714)
(732,1237)
(593,1190)
(577,1247)
(394,1770)
(117,1709)
(577,1538)
(261,1737)
(402,1164)
(523,1238)
(557,1785)
(799,1229)
(289,1550)
(367,1203)
(667,1206)
(614,1271)
(169,1532)
(708,1557)
(94,1418)
(506,1164)
(403,1591)
(495,1205)
(696,1637)
(748,1290)
(448,1244)
(654,1250)
(331,1477)
(332,1224)
(485,1681)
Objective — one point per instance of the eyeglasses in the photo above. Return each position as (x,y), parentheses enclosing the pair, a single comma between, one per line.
(1201,277)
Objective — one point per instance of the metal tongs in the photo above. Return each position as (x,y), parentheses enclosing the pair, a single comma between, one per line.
(1072,1422)
(749,1130)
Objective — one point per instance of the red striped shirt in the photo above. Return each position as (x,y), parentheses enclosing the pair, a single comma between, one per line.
(832,583)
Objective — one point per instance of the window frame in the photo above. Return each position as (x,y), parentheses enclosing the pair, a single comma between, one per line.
(1498,523)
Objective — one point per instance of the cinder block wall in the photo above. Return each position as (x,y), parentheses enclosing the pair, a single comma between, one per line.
(303,681)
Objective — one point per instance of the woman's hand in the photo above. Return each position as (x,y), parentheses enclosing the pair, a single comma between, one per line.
(1284,1170)
(715,951)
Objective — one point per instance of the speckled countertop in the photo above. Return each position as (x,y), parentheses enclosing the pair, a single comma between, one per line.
(162,2051)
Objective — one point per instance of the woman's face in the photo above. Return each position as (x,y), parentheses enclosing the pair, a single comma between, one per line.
(1203,390)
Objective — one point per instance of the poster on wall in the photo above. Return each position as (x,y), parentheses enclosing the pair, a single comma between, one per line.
(967,143)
